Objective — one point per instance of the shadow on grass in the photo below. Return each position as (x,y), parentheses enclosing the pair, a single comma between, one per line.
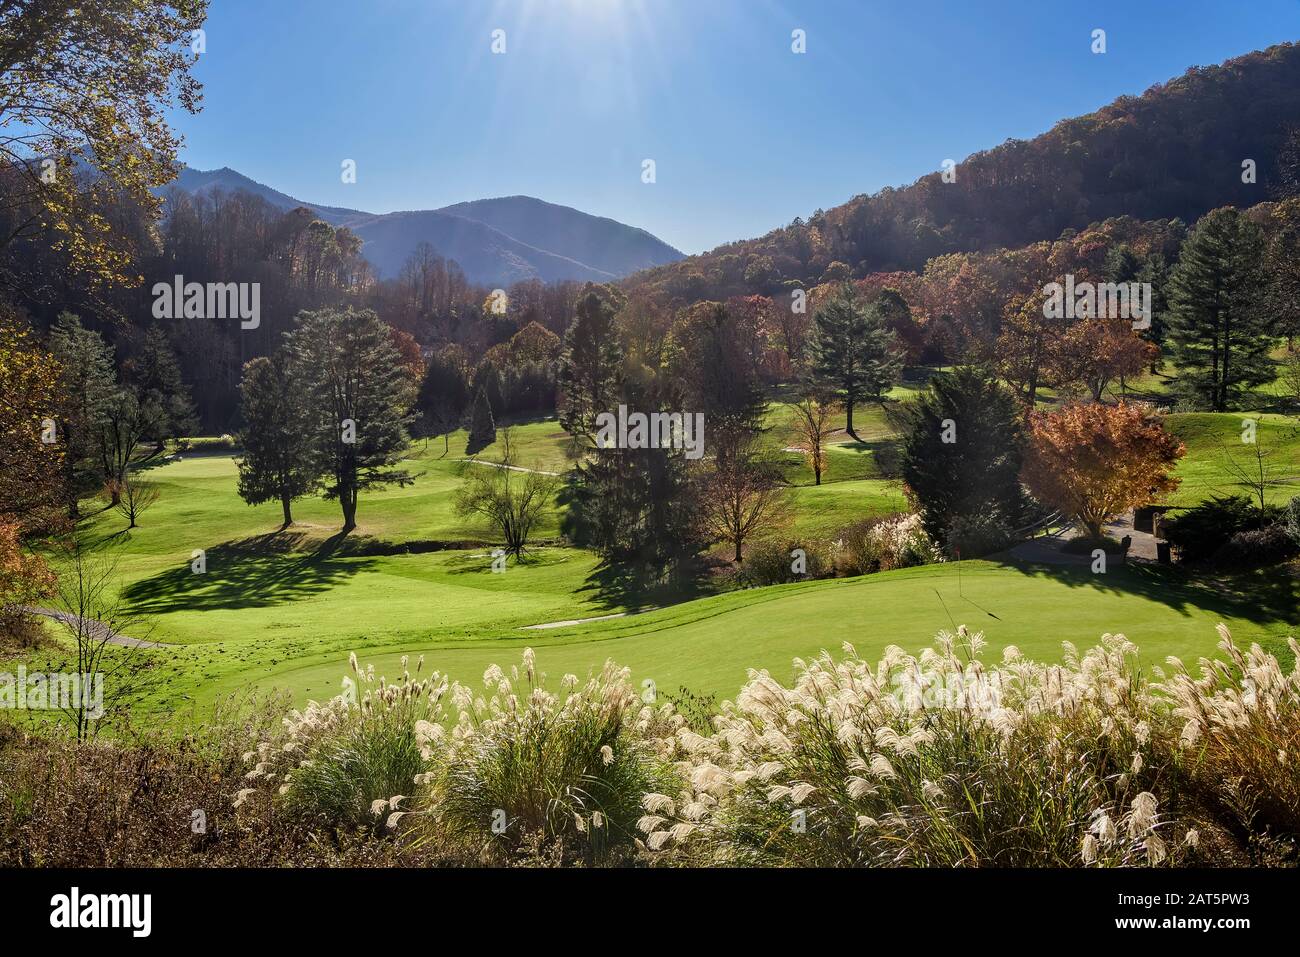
(1267,596)
(612,587)
(250,573)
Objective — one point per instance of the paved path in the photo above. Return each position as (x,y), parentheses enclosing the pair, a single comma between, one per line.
(96,629)
(1047,549)
(512,468)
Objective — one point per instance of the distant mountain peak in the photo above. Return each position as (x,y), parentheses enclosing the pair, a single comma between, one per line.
(496,241)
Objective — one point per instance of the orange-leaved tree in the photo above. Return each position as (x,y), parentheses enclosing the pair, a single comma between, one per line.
(1094,461)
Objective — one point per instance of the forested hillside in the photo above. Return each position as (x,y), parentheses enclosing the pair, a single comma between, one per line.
(1176,151)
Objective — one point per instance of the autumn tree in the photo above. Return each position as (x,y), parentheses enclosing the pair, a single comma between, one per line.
(512,499)
(741,495)
(278,462)
(1095,352)
(718,376)
(92,83)
(358,396)
(31,457)
(25,581)
(126,422)
(813,424)
(853,352)
(133,497)
(1095,461)
(1027,347)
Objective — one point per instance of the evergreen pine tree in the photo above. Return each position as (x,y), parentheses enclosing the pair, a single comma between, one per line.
(358,396)
(590,366)
(1217,333)
(482,428)
(962,451)
(88,382)
(278,464)
(855,355)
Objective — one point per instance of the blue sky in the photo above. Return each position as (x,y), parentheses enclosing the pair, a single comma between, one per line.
(745,134)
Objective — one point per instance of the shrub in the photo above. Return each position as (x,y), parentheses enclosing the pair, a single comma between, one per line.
(977,534)
(1253,547)
(1293,519)
(772,562)
(1201,531)
(527,767)
(346,762)
(882,544)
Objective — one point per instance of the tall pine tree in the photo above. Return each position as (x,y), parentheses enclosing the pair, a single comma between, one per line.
(855,355)
(278,464)
(962,450)
(88,382)
(358,395)
(1217,333)
(590,366)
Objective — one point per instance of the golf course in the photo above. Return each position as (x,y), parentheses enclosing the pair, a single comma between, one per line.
(282,608)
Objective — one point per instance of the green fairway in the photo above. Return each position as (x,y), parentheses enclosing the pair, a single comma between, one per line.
(282,608)
(708,645)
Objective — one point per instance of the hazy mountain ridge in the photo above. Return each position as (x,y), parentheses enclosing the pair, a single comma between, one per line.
(495,241)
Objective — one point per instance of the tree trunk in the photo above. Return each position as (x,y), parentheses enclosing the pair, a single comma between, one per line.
(288,514)
(348,501)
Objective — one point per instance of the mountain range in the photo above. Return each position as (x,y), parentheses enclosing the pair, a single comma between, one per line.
(495,241)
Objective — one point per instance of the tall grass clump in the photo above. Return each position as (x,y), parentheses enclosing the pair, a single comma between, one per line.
(529,768)
(1240,738)
(353,760)
(924,761)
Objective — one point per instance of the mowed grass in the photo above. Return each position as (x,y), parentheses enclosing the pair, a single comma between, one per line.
(708,645)
(1214,441)
(282,609)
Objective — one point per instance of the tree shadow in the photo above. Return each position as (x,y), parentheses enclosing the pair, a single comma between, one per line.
(254,572)
(614,587)
(1265,596)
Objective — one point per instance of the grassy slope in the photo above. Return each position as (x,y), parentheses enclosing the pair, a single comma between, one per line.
(283,609)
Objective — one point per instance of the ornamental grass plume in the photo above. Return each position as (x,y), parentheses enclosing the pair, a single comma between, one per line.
(523,766)
(1028,765)
(347,762)
(1240,735)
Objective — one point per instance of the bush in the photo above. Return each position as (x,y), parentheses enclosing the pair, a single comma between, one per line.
(528,768)
(207,443)
(975,535)
(1254,547)
(347,762)
(882,544)
(773,562)
(1293,519)
(1201,531)
(1241,736)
